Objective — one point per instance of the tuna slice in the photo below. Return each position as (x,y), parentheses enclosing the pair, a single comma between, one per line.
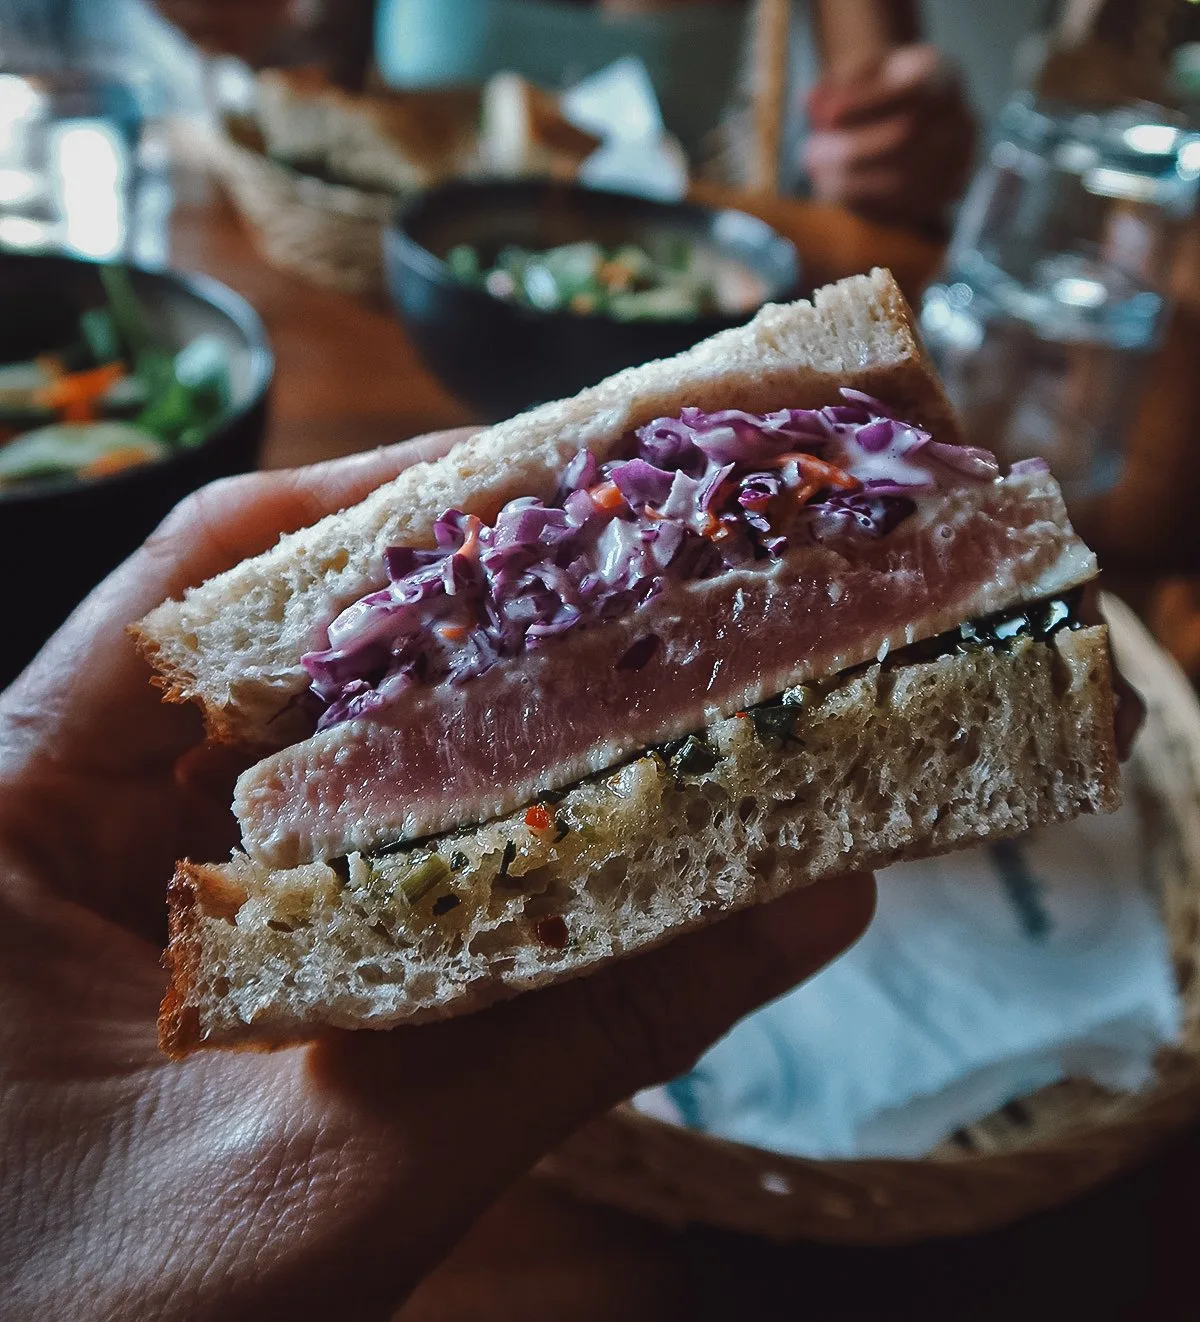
(448,756)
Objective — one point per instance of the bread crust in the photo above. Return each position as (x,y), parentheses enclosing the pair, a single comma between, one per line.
(233,645)
(178,1019)
(1015,739)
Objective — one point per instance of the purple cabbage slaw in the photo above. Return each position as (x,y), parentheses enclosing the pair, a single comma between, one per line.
(702,493)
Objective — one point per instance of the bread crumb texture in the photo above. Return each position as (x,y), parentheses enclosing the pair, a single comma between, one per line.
(887,763)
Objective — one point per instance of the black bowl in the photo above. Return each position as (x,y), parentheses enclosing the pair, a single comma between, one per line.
(498,357)
(59,538)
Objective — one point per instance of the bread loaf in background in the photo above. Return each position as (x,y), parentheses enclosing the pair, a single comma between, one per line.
(882,764)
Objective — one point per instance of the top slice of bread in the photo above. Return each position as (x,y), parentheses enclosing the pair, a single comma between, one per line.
(234,644)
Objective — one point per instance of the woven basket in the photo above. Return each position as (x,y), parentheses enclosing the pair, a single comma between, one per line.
(329,233)
(1038,1152)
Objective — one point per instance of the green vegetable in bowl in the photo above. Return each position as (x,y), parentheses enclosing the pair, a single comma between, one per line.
(115,398)
(671,279)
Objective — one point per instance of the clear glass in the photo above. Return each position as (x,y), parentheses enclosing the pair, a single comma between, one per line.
(1054,292)
(81,159)
(69,144)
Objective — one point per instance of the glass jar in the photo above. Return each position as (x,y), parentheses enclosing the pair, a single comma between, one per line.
(1053,296)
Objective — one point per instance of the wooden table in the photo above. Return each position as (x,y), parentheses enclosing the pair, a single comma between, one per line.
(348,379)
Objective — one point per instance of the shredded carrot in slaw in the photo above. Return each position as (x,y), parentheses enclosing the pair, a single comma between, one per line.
(470,546)
(606,496)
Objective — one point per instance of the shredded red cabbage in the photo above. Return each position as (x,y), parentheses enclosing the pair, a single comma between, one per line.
(701,493)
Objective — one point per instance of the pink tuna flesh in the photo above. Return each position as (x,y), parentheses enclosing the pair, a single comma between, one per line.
(446,755)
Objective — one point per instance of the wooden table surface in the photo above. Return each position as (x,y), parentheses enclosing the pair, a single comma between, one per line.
(347,380)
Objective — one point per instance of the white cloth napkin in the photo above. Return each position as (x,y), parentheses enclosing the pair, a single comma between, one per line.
(985,975)
(637,154)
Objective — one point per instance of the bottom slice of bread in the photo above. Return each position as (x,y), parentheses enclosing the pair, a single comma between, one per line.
(889,762)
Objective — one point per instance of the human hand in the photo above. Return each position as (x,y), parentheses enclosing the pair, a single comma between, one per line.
(895,142)
(315,1182)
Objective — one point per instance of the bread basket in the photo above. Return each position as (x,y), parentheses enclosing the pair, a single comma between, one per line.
(1037,1152)
(327,232)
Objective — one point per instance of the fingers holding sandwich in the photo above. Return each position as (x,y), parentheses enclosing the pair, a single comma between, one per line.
(445,1116)
(647,1020)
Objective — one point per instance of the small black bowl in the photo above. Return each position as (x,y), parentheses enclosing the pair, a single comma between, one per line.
(498,357)
(59,538)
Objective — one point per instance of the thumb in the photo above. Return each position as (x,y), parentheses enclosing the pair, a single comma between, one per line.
(648,1019)
(441,1118)
(552,1059)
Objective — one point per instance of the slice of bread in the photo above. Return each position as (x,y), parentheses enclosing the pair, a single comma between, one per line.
(234,644)
(893,761)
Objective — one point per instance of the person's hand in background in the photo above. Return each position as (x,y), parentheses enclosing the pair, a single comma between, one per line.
(894,142)
(316,1182)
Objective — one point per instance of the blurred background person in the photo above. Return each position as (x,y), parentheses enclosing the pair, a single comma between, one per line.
(886,129)
(878,118)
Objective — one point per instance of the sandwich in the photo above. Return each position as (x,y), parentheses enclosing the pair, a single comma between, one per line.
(717,627)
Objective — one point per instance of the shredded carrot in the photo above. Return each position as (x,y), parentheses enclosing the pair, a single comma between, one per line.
(817,471)
(115,461)
(538,818)
(79,410)
(79,387)
(453,633)
(653,515)
(606,496)
(470,546)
